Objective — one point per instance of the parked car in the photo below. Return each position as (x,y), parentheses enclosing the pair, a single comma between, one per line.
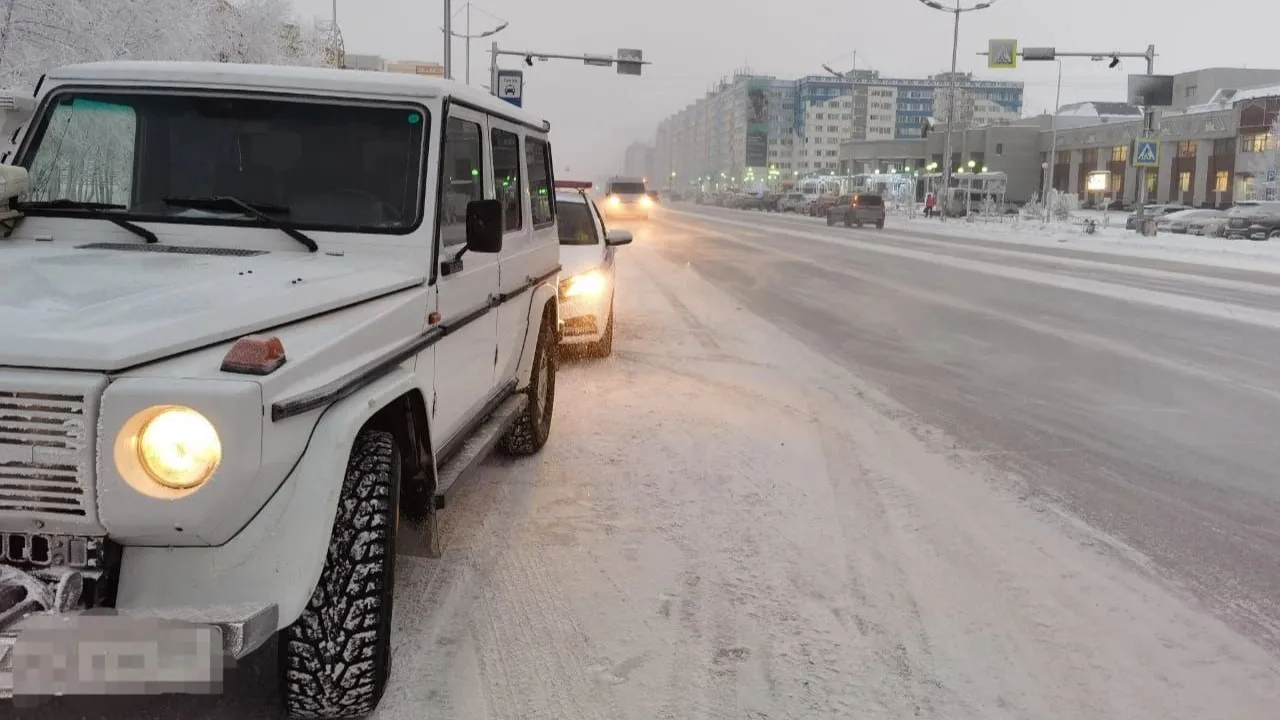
(588,271)
(792,202)
(858,209)
(1250,218)
(289,357)
(1180,222)
(820,205)
(1153,211)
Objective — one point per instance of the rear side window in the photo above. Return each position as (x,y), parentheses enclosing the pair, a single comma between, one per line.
(538,158)
(506,178)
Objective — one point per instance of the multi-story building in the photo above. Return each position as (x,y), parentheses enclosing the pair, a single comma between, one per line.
(760,127)
(1213,153)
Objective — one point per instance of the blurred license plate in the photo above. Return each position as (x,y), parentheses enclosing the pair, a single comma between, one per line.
(110,655)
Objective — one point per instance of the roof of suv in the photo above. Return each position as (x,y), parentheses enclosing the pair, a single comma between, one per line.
(307,79)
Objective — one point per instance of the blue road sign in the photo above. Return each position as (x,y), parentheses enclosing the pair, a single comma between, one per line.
(1146,153)
(511,86)
(1271,175)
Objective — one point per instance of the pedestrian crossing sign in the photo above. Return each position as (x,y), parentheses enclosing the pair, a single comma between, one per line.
(1002,54)
(1146,153)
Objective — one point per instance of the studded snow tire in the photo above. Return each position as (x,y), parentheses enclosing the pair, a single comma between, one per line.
(334,661)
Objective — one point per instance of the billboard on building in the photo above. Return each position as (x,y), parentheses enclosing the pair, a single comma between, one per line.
(757,154)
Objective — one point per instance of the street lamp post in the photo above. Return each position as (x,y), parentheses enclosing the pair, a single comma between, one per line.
(951,112)
(448,39)
(1053,148)
(468,36)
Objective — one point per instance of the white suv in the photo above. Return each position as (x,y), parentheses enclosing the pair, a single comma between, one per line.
(259,323)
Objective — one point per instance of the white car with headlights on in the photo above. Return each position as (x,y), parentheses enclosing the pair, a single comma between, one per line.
(588,277)
(627,199)
(259,324)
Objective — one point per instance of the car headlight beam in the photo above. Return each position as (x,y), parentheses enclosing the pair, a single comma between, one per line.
(588,284)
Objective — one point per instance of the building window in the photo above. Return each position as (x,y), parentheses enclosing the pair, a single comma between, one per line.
(1184,181)
(1224,146)
(1120,153)
(1221,181)
(1187,149)
(1191,91)
(1064,157)
(1256,143)
(999,148)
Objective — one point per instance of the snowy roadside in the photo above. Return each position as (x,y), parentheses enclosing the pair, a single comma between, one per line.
(725,524)
(1115,240)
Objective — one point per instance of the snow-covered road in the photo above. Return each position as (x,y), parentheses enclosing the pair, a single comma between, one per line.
(728,523)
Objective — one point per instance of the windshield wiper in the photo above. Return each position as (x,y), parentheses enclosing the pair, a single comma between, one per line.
(94,210)
(256,211)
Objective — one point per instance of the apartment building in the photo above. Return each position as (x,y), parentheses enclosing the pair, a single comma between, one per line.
(765,127)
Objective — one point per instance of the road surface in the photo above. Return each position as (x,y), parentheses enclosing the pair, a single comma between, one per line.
(833,473)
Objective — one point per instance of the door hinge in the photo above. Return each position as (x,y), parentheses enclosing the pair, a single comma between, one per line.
(495,355)
(434,398)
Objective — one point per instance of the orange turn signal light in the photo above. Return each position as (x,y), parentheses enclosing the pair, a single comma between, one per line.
(254,355)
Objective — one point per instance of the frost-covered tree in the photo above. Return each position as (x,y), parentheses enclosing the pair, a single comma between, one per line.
(37,35)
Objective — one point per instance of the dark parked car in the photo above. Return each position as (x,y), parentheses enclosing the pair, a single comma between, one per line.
(859,209)
(1250,218)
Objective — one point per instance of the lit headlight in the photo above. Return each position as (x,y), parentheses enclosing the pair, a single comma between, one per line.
(613,201)
(646,201)
(587,284)
(175,447)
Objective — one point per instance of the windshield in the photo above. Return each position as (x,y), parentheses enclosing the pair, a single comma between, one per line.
(318,164)
(627,188)
(575,224)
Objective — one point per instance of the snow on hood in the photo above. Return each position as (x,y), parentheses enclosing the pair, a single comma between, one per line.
(103,310)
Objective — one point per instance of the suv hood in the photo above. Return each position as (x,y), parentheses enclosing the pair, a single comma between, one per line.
(109,309)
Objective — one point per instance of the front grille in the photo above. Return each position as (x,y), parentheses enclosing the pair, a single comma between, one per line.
(45,443)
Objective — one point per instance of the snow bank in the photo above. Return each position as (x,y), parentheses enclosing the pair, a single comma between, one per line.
(1263,256)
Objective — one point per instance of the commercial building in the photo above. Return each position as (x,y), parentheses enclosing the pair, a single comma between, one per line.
(1215,145)
(764,129)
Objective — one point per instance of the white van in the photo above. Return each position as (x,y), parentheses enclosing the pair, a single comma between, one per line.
(259,324)
(627,197)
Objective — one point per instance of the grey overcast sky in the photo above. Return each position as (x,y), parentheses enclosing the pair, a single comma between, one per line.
(596,113)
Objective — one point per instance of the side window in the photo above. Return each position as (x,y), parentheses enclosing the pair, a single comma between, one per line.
(87,154)
(538,158)
(463,181)
(506,177)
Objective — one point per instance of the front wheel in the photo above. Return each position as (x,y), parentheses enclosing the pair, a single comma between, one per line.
(533,427)
(335,659)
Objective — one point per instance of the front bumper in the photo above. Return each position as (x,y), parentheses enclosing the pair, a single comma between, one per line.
(585,318)
(156,650)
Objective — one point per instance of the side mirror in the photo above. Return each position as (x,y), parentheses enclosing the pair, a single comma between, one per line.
(484,226)
(614,238)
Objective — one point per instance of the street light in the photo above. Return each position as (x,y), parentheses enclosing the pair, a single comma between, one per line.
(468,37)
(951,113)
